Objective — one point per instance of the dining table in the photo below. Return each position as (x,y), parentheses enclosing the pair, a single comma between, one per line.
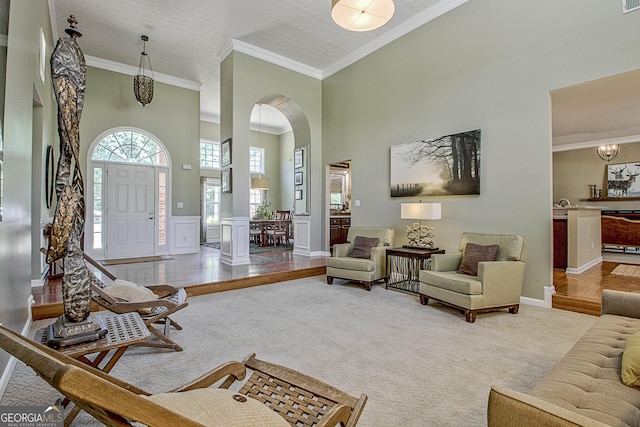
(263,225)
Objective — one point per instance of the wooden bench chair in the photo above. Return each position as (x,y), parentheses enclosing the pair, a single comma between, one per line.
(155,311)
(300,400)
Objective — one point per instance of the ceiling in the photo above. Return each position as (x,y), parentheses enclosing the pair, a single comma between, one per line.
(595,112)
(187,37)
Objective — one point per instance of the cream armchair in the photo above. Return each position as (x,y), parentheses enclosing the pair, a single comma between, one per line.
(496,285)
(345,263)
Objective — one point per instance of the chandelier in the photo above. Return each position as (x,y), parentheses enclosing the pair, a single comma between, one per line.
(608,152)
(143,83)
(362,15)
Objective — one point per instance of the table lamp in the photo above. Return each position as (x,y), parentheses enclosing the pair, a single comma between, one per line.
(420,236)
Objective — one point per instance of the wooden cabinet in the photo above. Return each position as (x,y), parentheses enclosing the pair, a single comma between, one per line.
(560,243)
(621,228)
(339,227)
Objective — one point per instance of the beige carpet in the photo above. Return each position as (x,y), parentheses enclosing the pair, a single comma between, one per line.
(419,365)
(135,260)
(627,270)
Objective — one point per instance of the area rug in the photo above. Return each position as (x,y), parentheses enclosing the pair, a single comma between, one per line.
(255,249)
(419,365)
(627,270)
(135,260)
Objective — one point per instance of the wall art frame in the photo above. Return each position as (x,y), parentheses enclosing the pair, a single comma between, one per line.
(444,166)
(622,182)
(225,152)
(298,195)
(298,161)
(297,178)
(226,181)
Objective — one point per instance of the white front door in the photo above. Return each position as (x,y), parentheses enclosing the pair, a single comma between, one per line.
(130,211)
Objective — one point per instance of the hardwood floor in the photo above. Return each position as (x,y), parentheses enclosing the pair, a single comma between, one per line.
(582,292)
(200,274)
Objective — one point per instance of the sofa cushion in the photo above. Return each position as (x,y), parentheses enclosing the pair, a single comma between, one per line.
(587,379)
(630,371)
(473,254)
(219,407)
(348,263)
(452,281)
(362,246)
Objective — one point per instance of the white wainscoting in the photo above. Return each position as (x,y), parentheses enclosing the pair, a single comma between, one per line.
(234,241)
(302,235)
(184,235)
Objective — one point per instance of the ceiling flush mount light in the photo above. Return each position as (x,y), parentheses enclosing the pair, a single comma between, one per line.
(608,152)
(362,15)
(143,81)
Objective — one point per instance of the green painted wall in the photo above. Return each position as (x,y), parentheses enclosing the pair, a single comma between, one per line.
(22,78)
(173,117)
(486,65)
(575,170)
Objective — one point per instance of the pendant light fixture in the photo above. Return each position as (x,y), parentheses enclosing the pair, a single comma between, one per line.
(362,15)
(608,152)
(143,81)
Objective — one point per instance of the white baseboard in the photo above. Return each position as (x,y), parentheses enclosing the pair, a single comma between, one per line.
(546,302)
(584,267)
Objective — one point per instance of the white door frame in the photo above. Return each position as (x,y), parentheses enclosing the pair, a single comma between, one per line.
(97,249)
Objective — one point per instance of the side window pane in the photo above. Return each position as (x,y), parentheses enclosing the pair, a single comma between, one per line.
(256,160)
(210,155)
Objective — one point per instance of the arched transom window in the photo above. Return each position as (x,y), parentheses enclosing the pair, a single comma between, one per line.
(129,146)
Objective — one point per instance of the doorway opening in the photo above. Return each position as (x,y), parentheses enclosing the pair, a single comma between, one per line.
(339,201)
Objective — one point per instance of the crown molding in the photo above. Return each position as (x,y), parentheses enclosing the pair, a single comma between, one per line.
(267,55)
(595,143)
(117,67)
(435,11)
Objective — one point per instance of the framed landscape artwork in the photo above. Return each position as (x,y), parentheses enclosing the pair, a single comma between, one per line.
(445,166)
(621,180)
(297,178)
(297,158)
(225,152)
(225,178)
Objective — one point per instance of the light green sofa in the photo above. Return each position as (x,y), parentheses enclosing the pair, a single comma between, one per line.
(584,388)
(365,271)
(498,284)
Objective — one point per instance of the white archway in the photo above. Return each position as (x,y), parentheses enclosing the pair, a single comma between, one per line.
(121,155)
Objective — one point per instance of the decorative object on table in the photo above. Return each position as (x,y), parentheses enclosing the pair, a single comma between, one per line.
(68,72)
(353,15)
(143,81)
(621,180)
(608,152)
(263,211)
(225,152)
(225,178)
(297,178)
(297,158)
(445,166)
(418,235)
(593,191)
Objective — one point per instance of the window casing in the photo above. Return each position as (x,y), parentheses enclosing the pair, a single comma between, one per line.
(209,154)
(256,160)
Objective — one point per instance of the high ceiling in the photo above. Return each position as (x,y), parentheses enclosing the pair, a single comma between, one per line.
(187,37)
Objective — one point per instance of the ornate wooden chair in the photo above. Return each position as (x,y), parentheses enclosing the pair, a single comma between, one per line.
(298,399)
(279,231)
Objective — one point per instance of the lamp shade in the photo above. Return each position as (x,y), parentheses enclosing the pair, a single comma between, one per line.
(421,211)
(259,183)
(362,15)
